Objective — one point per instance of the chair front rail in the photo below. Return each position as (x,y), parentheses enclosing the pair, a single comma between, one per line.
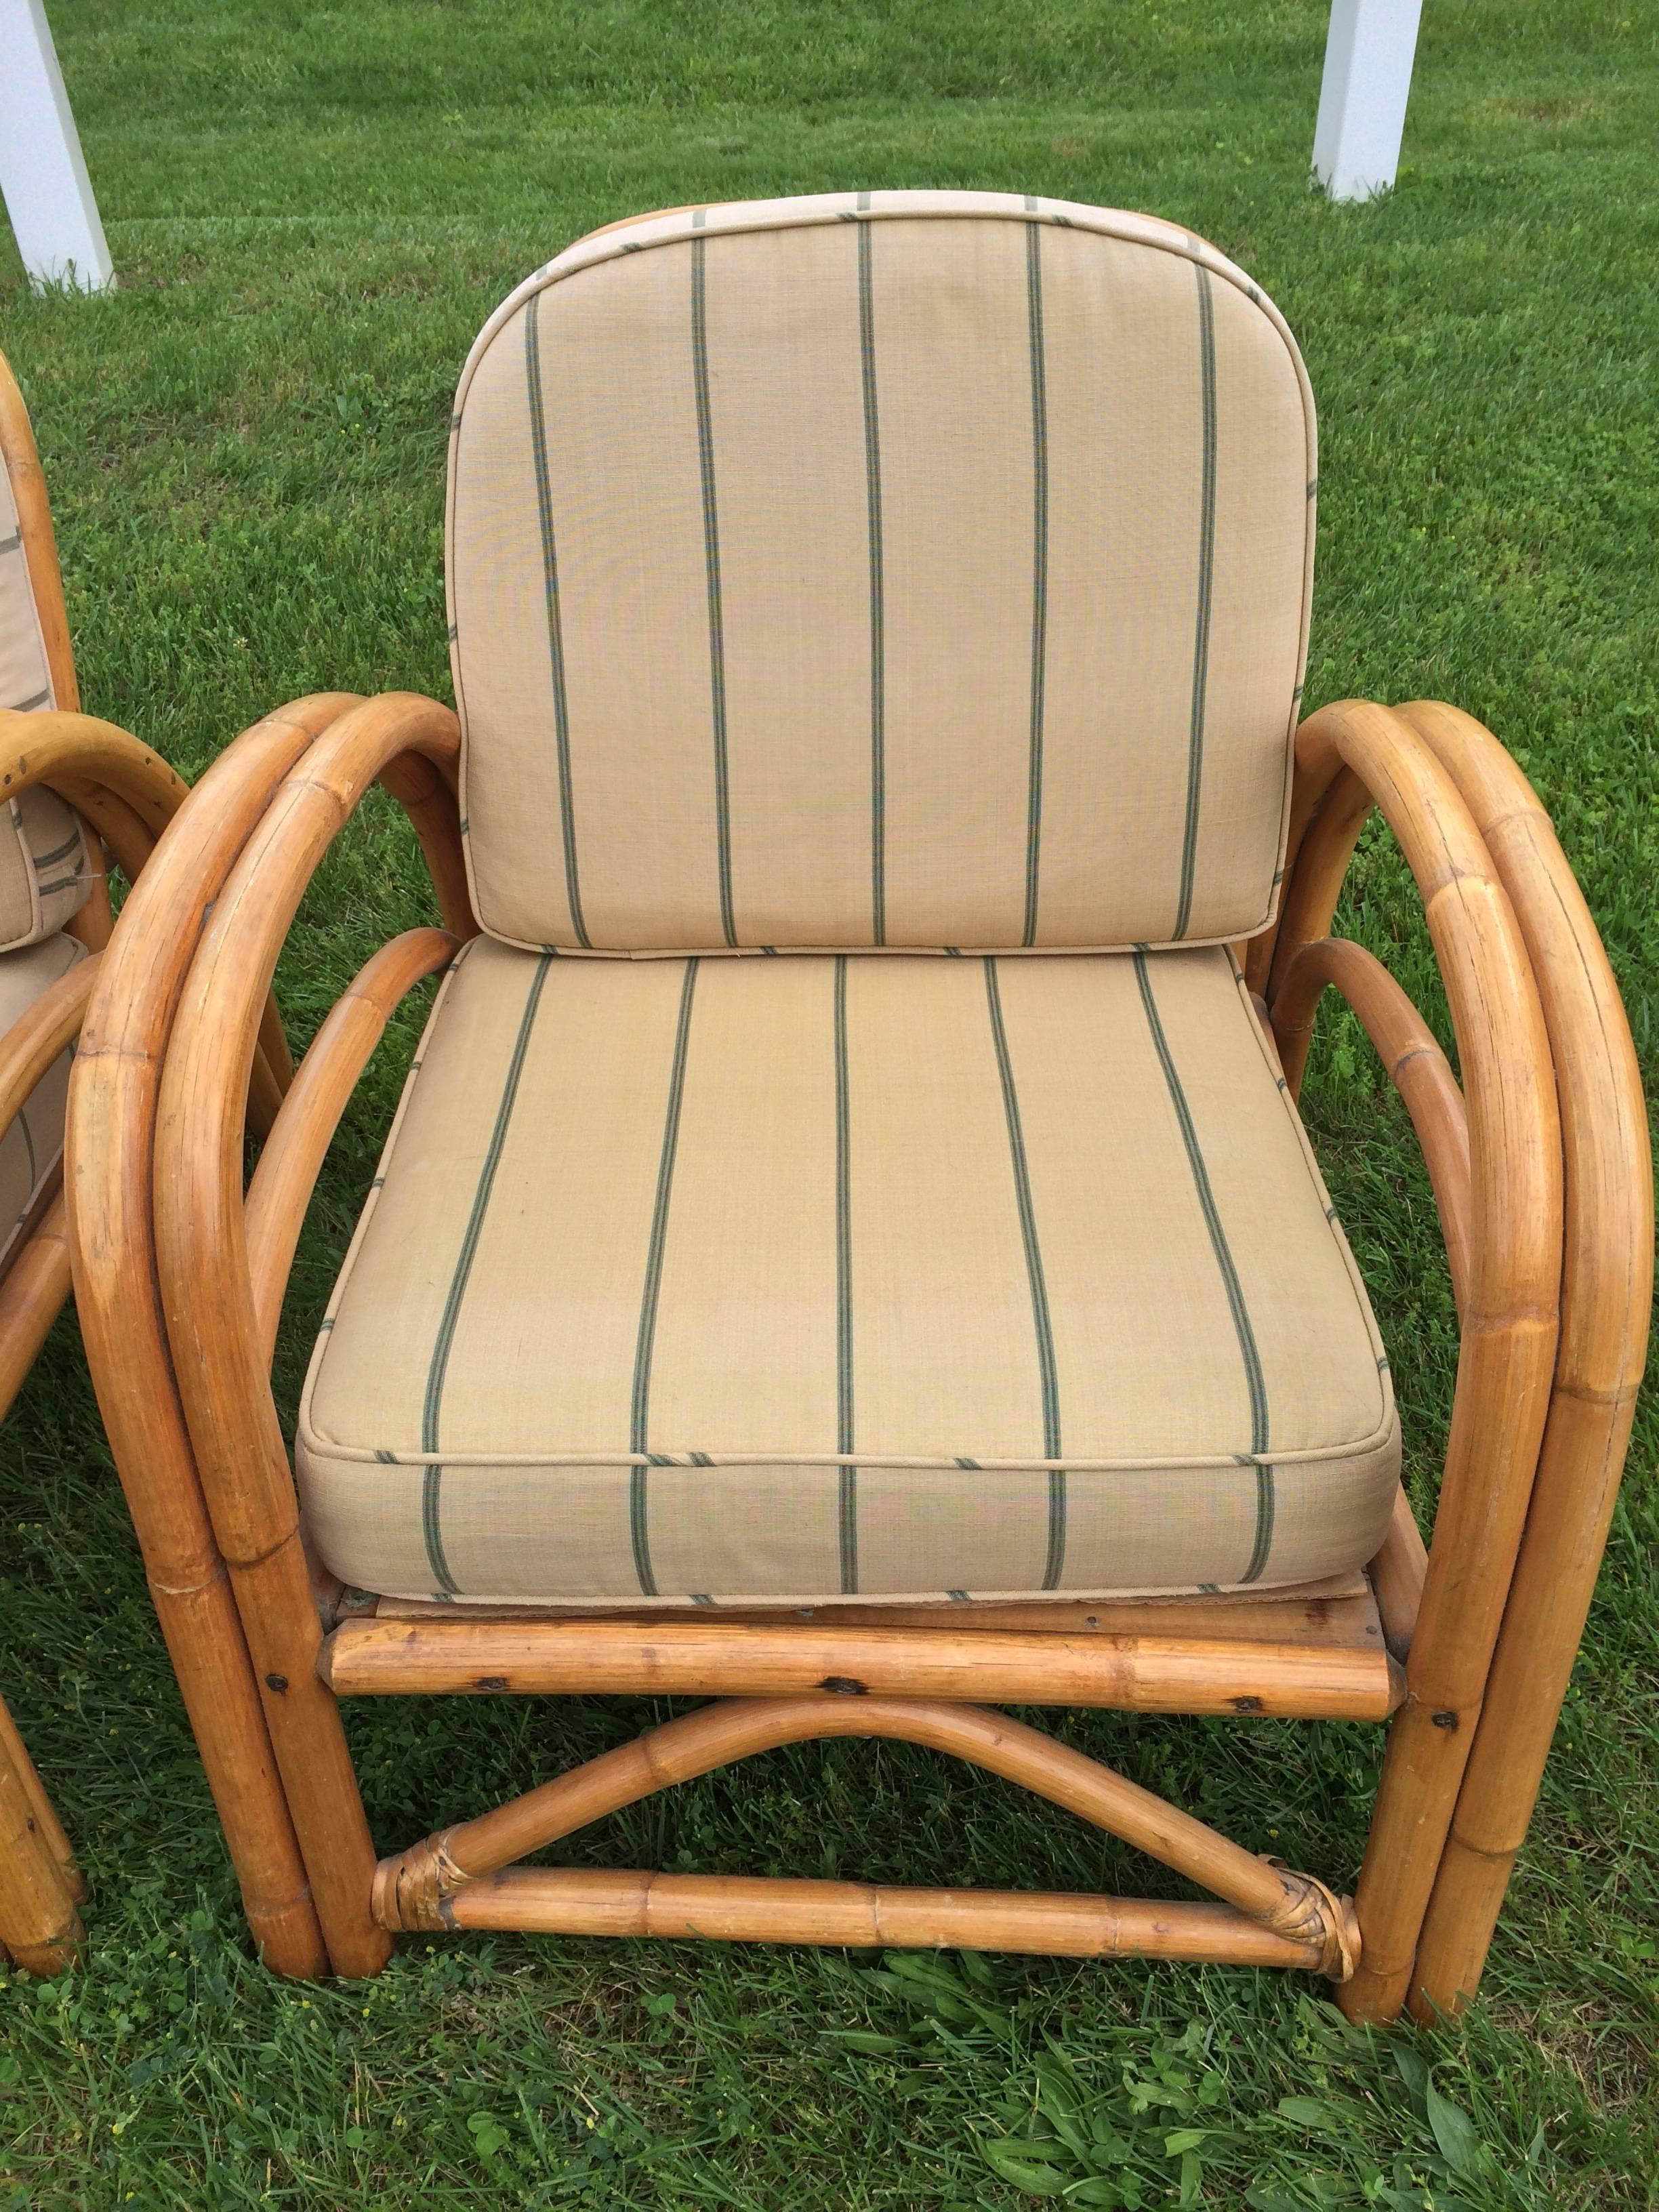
(109,1183)
(419,1889)
(1510,1305)
(700,1657)
(410,744)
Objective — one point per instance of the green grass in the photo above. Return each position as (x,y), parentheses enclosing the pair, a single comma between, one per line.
(313,210)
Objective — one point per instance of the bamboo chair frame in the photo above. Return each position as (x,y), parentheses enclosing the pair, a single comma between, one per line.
(126,796)
(120,786)
(1547,1209)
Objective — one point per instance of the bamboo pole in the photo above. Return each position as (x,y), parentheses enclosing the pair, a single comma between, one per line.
(1313,886)
(20,460)
(1607,1296)
(1410,1051)
(56,747)
(47,1825)
(1509,1317)
(202,1261)
(715,1658)
(419,1889)
(1398,1574)
(38,1924)
(294,1152)
(109,1186)
(32,1293)
(729,1909)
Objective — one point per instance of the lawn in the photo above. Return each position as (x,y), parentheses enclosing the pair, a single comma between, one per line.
(313,210)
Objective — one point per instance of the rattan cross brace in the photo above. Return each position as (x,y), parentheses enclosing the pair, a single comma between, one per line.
(419,1888)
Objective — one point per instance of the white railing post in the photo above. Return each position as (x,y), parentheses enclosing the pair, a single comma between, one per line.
(43,172)
(1362,101)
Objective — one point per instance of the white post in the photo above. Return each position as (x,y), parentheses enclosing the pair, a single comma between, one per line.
(43,172)
(1362,101)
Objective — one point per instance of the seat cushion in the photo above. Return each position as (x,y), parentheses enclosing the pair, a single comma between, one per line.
(32,1147)
(810,1278)
(880,569)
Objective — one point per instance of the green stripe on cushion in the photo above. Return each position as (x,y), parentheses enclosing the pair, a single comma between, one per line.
(533,362)
(640,1419)
(1205,578)
(1242,1328)
(59,852)
(711,549)
(1262,1548)
(847,1523)
(1040,1317)
(878,589)
(848,1505)
(1039,570)
(444,1342)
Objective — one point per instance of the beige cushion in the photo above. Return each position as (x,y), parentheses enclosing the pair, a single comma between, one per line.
(898,569)
(45,878)
(32,1147)
(816,1277)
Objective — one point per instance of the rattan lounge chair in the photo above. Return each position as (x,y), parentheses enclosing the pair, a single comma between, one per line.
(72,788)
(847,1249)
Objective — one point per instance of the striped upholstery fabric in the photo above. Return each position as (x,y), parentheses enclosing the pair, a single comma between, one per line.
(44,870)
(881,571)
(818,1276)
(32,1147)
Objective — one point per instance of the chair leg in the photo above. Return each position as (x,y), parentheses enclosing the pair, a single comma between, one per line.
(38,1924)
(284,1635)
(51,1827)
(1549,1602)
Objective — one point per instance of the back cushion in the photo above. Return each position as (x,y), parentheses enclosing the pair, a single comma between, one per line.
(44,878)
(904,570)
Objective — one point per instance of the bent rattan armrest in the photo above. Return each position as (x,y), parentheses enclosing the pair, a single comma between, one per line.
(309,763)
(1517,1540)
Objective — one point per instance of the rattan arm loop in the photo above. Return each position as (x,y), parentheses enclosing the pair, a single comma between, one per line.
(1605,1301)
(1511,1300)
(109,1158)
(36,1279)
(1410,1051)
(45,746)
(412,745)
(293,1156)
(41,1035)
